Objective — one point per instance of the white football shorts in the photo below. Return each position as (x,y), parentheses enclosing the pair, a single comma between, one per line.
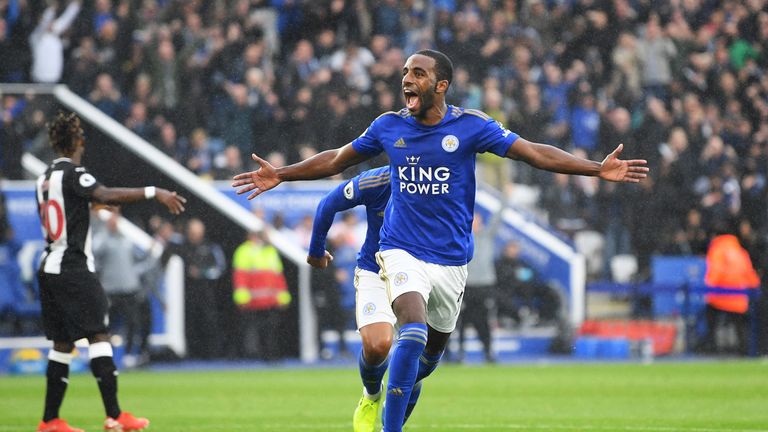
(441,286)
(371,303)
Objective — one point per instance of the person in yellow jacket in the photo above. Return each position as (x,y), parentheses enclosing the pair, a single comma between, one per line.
(728,266)
(261,294)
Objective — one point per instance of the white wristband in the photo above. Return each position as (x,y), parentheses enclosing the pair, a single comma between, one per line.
(149,192)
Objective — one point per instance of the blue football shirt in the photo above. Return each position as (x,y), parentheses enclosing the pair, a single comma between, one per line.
(370,188)
(432,168)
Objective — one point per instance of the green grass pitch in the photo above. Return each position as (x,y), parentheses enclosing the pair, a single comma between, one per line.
(589,397)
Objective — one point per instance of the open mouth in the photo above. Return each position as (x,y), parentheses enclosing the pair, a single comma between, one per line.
(411,99)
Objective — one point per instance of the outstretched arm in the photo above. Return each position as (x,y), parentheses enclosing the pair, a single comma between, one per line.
(171,200)
(321,165)
(334,202)
(553,159)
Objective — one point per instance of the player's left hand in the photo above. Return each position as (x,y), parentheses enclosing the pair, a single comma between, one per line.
(259,181)
(171,200)
(627,171)
(321,262)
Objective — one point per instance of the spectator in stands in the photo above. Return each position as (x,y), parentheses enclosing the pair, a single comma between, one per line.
(261,294)
(138,122)
(301,66)
(613,218)
(566,204)
(107,48)
(233,119)
(228,164)
(200,155)
(47,45)
(657,122)
(695,234)
(151,271)
(756,246)
(303,230)
(142,93)
(492,169)
(616,126)
(11,145)
(585,122)
(346,237)
(526,119)
(204,265)
(165,69)
(386,19)
(15,19)
(331,316)
(480,293)
(644,230)
(169,143)
(656,52)
(352,63)
(119,273)
(106,97)
(522,296)
(625,81)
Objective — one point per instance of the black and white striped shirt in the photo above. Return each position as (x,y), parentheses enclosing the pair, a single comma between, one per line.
(64,203)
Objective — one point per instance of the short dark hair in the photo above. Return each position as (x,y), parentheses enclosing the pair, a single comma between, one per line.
(63,132)
(443,65)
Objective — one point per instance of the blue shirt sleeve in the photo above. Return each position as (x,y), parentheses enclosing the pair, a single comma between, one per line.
(495,138)
(343,197)
(368,143)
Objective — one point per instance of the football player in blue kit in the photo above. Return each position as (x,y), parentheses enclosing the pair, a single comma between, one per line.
(425,237)
(373,312)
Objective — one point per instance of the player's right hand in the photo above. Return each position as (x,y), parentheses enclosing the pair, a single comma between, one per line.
(171,200)
(321,262)
(259,181)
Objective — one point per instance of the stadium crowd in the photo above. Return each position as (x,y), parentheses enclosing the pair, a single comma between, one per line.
(682,83)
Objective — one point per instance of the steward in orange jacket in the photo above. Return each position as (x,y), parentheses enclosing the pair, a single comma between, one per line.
(258,279)
(729,266)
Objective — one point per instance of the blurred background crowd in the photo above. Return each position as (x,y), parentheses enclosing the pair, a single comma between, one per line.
(681,83)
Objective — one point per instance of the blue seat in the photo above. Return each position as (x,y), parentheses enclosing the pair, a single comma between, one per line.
(676,270)
(15,299)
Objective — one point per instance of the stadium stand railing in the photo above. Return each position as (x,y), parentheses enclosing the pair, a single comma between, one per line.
(689,299)
(549,253)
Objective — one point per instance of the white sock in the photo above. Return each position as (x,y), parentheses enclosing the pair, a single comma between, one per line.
(373,397)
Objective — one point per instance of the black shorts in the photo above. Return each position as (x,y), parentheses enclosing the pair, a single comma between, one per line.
(74,305)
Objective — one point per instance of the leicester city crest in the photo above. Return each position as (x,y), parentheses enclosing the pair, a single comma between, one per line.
(401,278)
(450,143)
(369,309)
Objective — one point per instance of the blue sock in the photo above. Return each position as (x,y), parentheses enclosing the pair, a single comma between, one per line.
(415,393)
(372,374)
(427,364)
(403,369)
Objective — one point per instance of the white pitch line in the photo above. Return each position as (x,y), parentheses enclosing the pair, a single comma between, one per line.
(494,427)
(551,427)
(267,427)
